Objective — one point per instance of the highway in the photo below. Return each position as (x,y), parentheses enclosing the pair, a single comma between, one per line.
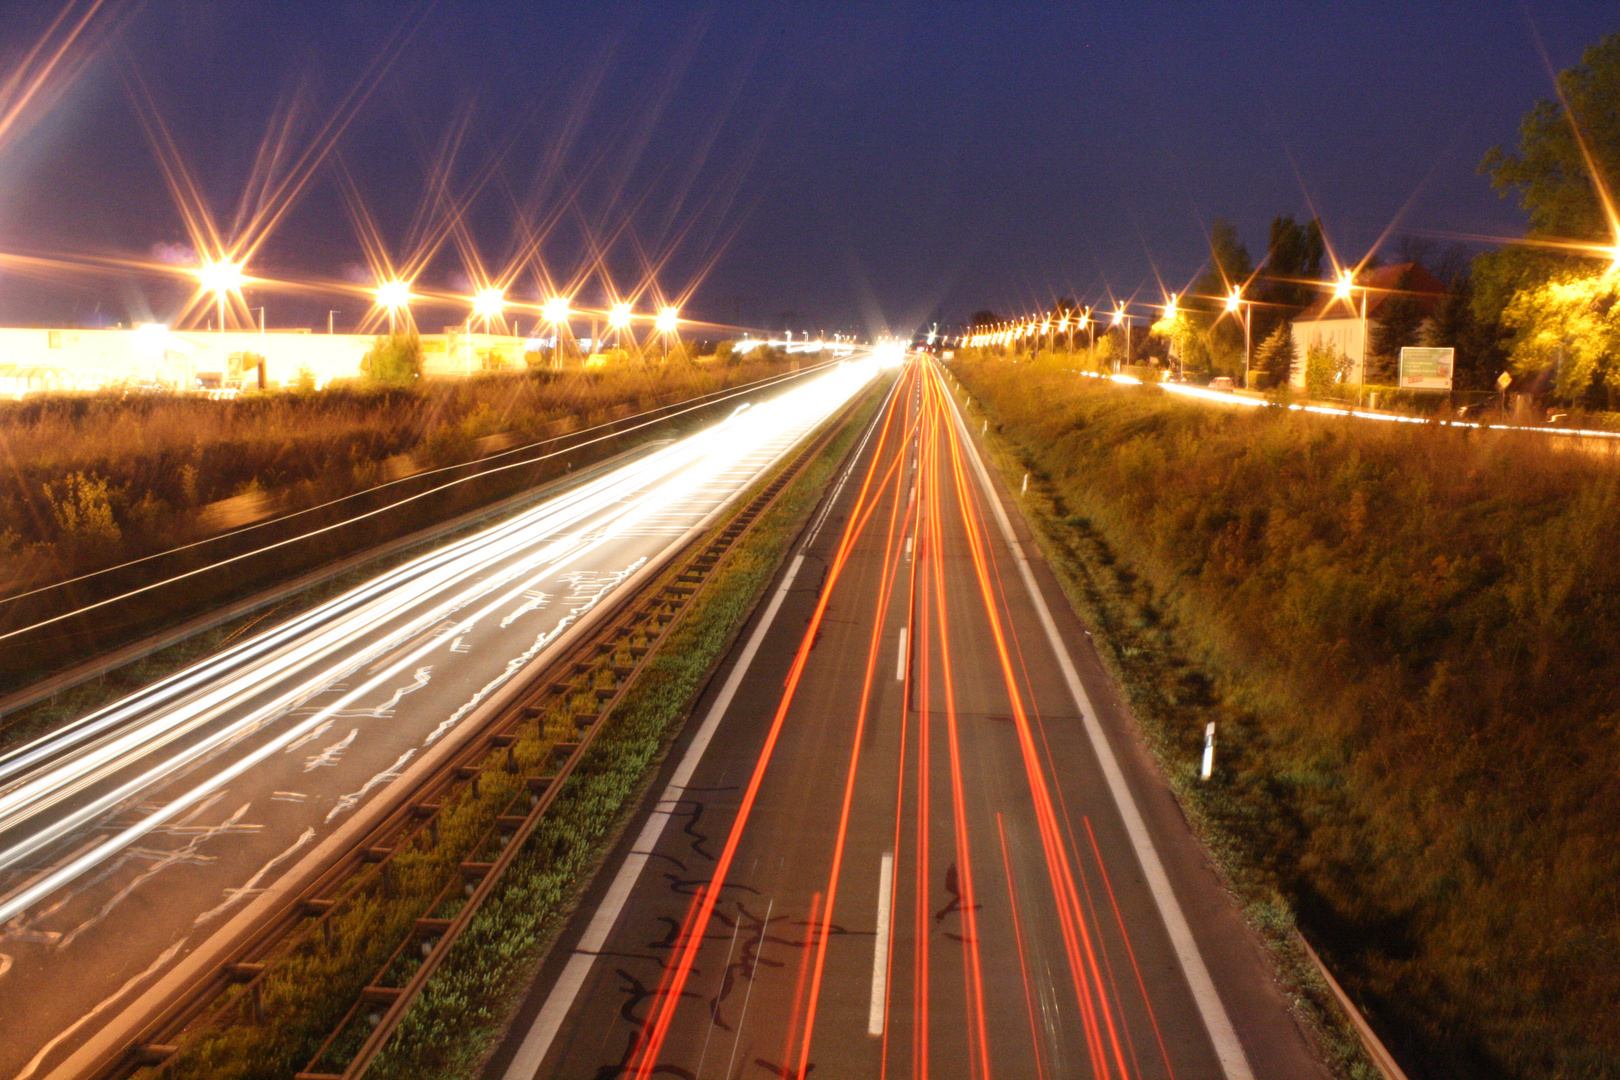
(131,835)
(909,832)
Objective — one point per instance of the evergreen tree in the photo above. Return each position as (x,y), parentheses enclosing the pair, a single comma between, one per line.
(1275,358)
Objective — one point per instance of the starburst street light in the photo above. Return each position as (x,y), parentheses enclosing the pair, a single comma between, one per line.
(391,296)
(1341,288)
(1234,304)
(220,277)
(667,319)
(1341,291)
(556,309)
(619,316)
(488,303)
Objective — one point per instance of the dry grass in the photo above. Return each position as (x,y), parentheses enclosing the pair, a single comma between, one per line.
(1415,641)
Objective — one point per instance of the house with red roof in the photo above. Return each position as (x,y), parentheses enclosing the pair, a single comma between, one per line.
(1345,324)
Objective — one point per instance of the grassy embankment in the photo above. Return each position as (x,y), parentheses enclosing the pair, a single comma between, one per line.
(455,1024)
(88,482)
(1410,639)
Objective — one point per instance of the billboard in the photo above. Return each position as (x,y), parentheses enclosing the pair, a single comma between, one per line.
(1426,369)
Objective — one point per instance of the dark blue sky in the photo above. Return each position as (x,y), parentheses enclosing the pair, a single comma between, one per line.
(861,165)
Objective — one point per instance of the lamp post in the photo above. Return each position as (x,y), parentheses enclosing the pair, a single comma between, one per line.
(556,312)
(619,319)
(1341,291)
(391,296)
(220,277)
(487,305)
(1122,321)
(1234,304)
(668,319)
(1170,317)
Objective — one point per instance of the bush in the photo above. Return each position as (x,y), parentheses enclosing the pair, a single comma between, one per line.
(393,360)
(1325,369)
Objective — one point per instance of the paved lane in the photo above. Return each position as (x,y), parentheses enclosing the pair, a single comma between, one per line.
(130,836)
(903,842)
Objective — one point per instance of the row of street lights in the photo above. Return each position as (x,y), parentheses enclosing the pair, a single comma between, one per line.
(222,278)
(1237,305)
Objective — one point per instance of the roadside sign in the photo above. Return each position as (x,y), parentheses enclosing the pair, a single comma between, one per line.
(1504,380)
(1426,369)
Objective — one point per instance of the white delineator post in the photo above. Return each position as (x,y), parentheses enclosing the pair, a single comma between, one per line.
(1209,751)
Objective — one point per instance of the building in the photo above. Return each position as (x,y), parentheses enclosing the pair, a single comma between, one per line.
(1340,325)
(42,360)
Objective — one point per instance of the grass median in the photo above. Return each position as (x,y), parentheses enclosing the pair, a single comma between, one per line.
(1408,638)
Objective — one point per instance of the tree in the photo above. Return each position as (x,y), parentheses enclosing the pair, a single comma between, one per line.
(1564,171)
(393,358)
(1219,343)
(1560,144)
(1294,255)
(1274,360)
(1570,323)
(1399,324)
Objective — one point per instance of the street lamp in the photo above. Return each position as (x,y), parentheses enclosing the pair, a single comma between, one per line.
(488,305)
(619,320)
(1341,291)
(1234,304)
(220,278)
(1125,329)
(391,296)
(556,313)
(668,319)
(1175,351)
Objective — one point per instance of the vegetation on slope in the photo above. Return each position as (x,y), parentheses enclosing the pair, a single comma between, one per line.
(1412,635)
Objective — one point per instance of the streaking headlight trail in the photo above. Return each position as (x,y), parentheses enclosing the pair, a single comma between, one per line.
(144,761)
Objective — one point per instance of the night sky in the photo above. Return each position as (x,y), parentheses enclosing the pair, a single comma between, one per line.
(857,166)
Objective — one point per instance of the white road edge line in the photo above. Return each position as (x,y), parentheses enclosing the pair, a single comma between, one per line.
(900,661)
(526,1063)
(880,948)
(1228,1048)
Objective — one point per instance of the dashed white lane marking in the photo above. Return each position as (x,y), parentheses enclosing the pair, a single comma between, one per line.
(880,949)
(900,661)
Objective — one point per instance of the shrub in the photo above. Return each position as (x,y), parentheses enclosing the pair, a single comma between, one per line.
(393,360)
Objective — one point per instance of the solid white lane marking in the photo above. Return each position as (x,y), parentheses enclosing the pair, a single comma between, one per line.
(900,662)
(880,949)
(1234,1063)
(561,999)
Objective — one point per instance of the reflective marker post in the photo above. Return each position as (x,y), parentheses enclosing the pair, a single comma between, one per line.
(1209,751)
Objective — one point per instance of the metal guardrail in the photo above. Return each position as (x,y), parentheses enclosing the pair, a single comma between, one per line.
(582,688)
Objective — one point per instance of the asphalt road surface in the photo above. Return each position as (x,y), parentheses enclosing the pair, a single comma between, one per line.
(130,836)
(910,833)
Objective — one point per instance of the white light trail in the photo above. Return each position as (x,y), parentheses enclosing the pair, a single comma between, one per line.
(204,717)
(1225,397)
